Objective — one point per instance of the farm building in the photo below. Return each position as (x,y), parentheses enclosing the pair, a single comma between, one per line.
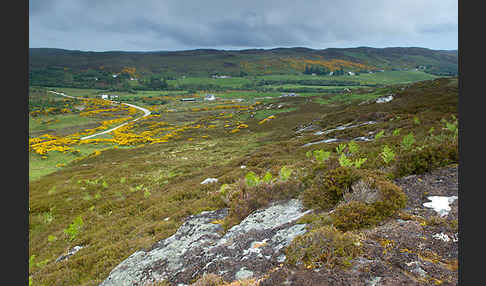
(289,95)
(209,97)
(221,76)
(109,96)
(188,99)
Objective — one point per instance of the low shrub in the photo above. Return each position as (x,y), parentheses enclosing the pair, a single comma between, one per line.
(74,228)
(209,279)
(326,191)
(313,220)
(325,246)
(251,198)
(356,214)
(421,160)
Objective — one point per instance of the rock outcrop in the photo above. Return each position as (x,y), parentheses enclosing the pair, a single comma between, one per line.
(246,250)
(418,246)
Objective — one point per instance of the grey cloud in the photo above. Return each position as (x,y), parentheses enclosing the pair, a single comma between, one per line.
(439,28)
(187,24)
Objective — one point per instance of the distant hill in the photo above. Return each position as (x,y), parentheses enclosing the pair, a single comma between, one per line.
(45,64)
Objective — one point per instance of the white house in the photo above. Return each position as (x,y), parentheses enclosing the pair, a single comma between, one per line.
(209,97)
(108,96)
(289,95)
(221,76)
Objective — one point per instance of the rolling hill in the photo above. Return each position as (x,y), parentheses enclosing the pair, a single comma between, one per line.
(63,67)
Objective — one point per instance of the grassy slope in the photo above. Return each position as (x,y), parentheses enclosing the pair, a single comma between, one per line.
(125,195)
(206,62)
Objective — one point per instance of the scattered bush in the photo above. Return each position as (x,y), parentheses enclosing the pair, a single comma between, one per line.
(387,154)
(340,148)
(267,178)
(321,156)
(419,161)
(285,173)
(354,215)
(408,141)
(325,192)
(325,246)
(251,198)
(345,161)
(359,161)
(252,179)
(353,147)
(315,221)
(74,228)
(358,214)
(209,279)
(379,134)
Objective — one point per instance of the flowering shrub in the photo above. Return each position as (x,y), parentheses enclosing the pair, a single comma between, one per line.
(266,119)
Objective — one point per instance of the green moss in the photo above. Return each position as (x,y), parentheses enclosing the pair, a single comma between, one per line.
(326,191)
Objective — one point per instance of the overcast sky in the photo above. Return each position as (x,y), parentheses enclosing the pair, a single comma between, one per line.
(153,25)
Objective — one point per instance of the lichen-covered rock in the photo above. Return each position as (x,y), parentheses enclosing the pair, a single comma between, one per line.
(246,250)
(70,253)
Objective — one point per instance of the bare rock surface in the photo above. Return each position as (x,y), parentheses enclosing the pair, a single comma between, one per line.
(246,250)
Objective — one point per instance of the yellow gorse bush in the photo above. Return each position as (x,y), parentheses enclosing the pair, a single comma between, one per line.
(266,119)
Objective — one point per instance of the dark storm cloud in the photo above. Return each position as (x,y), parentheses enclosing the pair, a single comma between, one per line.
(186,24)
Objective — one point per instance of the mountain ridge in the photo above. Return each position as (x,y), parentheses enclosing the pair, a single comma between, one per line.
(48,63)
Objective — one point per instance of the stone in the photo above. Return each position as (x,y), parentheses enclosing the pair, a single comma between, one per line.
(248,249)
(441,236)
(243,274)
(322,141)
(384,99)
(70,253)
(440,204)
(209,180)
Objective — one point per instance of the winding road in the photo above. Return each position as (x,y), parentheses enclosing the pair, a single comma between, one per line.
(146,112)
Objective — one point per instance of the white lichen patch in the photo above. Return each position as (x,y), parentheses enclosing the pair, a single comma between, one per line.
(209,180)
(440,204)
(243,274)
(384,99)
(441,236)
(321,141)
